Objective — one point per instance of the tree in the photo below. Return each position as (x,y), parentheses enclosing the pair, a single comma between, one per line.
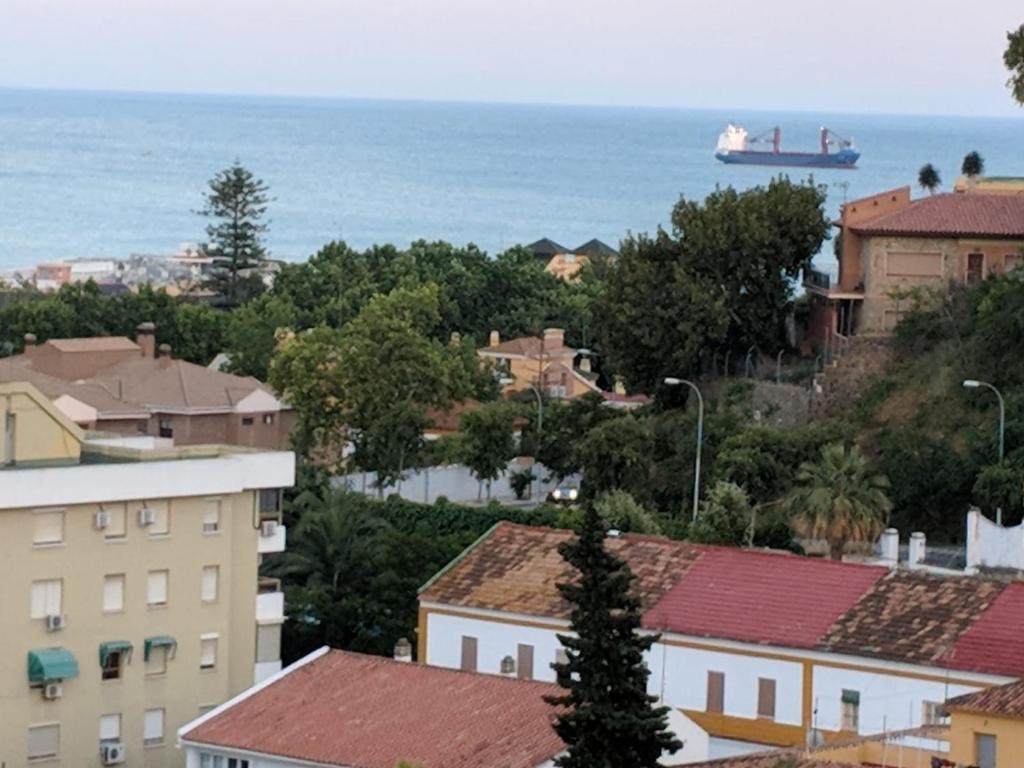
(565,425)
(619,510)
(237,202)
(616,455)
(928,178)
(725,517)
(973,165)
(1013,58)
(252,334)
(488,442)
(840,499)
(606,717)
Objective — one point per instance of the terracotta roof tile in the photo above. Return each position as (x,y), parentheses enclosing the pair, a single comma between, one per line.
(527,346)
(358,711)
(1006,700)
(761,597)
(954,215)
(176,384)
(517,568)
(96,344)
(995,642)
(913,617)
(778,758)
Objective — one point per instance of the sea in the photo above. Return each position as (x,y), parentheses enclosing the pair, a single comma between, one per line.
(101,174)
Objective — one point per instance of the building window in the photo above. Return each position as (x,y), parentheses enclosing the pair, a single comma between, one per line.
(110,728)
(985,750)
(716,692)
(932,713)
(49,528)
(1012,261)
(111,669)
(975,268)
(117,528)
(206,760)
(270,502)
(469,648)
(161,511)
(156,589)
(113,593)
(47,598)
(268,418)
(208,591)
(850,711)
(156,664)
(766,698)
(153,727)
(211,516)
(166,427)
(43,741)
(208,651)
(524,662)
(247,421)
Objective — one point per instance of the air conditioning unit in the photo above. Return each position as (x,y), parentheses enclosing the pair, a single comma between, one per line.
(112,753)
(53,691)
(147,516)
(102,520)
(55,622)
(268,528)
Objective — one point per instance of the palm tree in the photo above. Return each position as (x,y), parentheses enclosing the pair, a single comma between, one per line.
(928,178)
(974,165)
(838,498)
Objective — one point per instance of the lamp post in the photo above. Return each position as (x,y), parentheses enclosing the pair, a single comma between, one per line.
(674,382)
(974,384)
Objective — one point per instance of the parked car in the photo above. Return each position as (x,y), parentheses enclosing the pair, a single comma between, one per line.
(564,494)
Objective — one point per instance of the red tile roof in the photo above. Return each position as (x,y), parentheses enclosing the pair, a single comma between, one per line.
(953,215)
(761,597)
(528,346)
(1005,700)
(995,641)
(358,711)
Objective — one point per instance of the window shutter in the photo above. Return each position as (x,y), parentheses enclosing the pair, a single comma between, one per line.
(49,528)
(208,652)
(211,516)
(43,741)
(766,697)
(211,575)
(153,725)
(156,591)
(110,727)
(46,598)
(716,692)
(113,592)
(469,651)
(118,521)
(162,518)
(524,662)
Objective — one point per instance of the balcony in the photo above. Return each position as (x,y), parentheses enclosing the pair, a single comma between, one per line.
(271,539)
(269,602)
(817,281)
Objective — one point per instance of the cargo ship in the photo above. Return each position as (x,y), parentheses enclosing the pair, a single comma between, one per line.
(734,147)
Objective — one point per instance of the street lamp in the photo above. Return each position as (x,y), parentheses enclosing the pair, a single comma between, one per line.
(674,382)
(974,384)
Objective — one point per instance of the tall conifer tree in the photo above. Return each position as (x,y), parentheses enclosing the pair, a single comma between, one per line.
(606,717)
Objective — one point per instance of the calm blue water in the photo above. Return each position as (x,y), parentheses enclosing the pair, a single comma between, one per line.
(99,174)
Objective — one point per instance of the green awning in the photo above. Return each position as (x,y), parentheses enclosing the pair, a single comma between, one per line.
(158,641)
(46,664)
(850,697)
(113,646)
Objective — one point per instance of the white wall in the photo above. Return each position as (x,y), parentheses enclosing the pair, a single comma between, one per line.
(993,546)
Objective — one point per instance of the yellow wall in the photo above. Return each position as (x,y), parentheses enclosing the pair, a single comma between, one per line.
(1009,733)
(81,562)
(40,435)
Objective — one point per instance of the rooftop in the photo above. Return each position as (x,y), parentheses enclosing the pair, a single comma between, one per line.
(358,711)
(527,346)
(953,215)
(546,247)
(1005,700)
(757,596)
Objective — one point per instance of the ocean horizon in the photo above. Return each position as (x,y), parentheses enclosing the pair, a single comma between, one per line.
(105,174)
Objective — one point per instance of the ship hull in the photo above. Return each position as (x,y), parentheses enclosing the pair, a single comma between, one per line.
(844,158)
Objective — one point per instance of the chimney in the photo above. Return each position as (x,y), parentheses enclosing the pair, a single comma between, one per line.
(508,667)
(553,338)
(917,550)
(455,339)
(145,337)
(164,354)
(620,386)
(403,650)
(30,343)
(495,339)
(890,547)
(585,363)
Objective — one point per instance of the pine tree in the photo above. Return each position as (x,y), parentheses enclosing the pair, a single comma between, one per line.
(606,717)
(237,202)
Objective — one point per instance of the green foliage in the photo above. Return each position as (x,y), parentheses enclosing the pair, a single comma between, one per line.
(520,481)
(725,517)
(252,334)
(1013,58)
(928,178)
(488,442)
(723,279)
(840,499)
(973,165)
(616,455)
(237,202)
(565,425)
(605,717)
(620,511)
(1000,487)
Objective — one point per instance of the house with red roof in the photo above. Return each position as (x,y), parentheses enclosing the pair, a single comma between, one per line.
(336,708)
(758,648)
(891,243)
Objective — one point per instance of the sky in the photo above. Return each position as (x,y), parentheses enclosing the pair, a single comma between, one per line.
(877,56)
